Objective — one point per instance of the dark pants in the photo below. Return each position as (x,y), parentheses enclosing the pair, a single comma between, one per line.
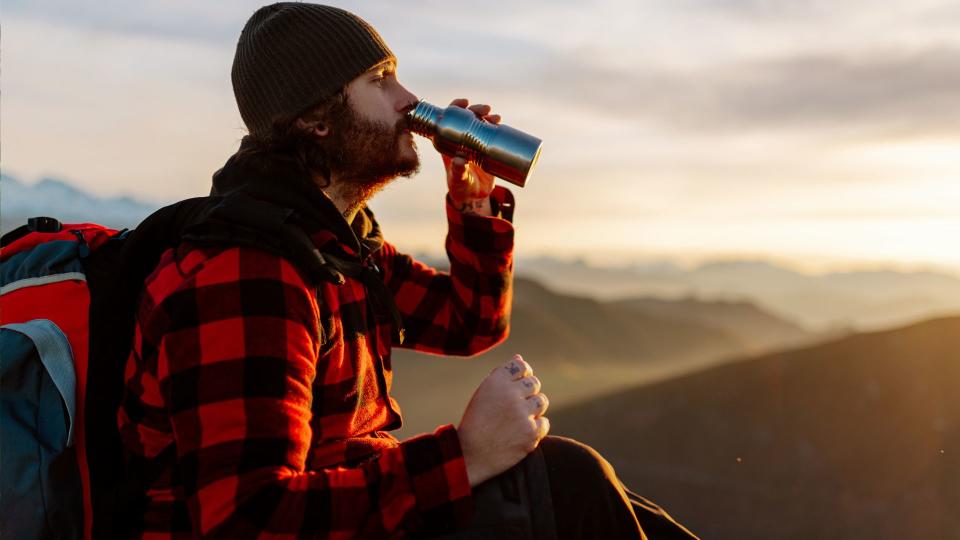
(565,490)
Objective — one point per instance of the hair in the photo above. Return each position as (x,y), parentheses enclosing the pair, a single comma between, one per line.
(287,141)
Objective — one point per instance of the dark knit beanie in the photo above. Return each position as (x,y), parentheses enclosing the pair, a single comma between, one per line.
(292,55)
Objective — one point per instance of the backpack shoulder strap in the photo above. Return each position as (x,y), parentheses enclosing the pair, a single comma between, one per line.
(52,347)
(240,220)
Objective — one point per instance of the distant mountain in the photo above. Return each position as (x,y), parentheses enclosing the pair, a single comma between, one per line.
(57,198)
(581,347)
(833,302)
(857,438)
(756,329)
(650,330)
(857,300)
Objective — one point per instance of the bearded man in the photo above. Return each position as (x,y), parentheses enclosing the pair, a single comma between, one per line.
(260,403)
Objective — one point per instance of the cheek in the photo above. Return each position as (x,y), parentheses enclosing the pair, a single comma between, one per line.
(366,100)
(377,111)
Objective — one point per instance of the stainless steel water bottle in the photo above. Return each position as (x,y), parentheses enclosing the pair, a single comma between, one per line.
(499,149)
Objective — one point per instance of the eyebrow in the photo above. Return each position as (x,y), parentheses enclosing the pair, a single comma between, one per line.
(384,64)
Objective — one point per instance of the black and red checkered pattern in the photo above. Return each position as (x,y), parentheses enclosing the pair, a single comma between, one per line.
(259,405)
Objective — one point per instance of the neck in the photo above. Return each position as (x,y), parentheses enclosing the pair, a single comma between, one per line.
(349,195)
(347,201)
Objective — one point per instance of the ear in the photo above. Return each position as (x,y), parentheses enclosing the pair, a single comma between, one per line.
(313,126)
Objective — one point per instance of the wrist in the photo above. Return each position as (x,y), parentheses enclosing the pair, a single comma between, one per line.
(479,206)
(476,472)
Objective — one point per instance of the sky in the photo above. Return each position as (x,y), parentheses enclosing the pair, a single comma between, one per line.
(819,133)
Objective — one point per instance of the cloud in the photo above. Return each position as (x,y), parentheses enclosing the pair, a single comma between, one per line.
(660,111)
(807,9)
(220,23)
(207,22)
(884,91)
(878,92)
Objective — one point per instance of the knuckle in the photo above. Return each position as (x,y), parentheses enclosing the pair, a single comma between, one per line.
(522,408)
(527,368)
(540,401)
(531,383)
(533,427)
(515,366)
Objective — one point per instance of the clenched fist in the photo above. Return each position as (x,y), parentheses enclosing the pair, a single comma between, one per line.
(504,420)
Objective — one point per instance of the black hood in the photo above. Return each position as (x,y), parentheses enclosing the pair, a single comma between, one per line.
(282,181)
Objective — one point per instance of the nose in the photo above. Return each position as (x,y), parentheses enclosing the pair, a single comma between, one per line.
(406,101)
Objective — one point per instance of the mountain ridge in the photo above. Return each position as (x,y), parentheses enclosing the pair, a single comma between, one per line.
(581,347)
(825,441)
(60,199)
(836,302)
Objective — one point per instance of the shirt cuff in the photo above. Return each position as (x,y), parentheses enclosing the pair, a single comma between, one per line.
(438,477)
(501,203)
(485,234)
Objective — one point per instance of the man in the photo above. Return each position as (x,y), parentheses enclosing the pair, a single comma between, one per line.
(258,404)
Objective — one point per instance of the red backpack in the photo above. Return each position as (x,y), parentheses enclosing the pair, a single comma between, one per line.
(45,458)
(68,296)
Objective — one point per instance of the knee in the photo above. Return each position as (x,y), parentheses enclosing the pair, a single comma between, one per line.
(575,461)
(571,450)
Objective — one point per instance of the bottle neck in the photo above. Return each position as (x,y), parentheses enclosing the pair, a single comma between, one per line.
(423,119)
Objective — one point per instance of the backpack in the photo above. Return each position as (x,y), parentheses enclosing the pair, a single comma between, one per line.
(69,295)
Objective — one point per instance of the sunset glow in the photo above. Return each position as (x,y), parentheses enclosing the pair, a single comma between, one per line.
(813,133)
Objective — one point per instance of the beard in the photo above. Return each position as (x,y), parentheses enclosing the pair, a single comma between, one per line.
(366,155)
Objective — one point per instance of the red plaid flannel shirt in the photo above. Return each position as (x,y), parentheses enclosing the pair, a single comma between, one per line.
(259,406)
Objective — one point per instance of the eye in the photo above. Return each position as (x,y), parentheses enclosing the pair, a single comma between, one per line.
(382,77)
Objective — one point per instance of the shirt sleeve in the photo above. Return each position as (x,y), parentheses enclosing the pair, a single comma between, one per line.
(465,311)
(236,366)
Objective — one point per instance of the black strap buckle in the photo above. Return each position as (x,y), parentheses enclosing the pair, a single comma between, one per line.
(44,224)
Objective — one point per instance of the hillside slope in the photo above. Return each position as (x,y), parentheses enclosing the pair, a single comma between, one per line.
(858,438)
(579,348)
